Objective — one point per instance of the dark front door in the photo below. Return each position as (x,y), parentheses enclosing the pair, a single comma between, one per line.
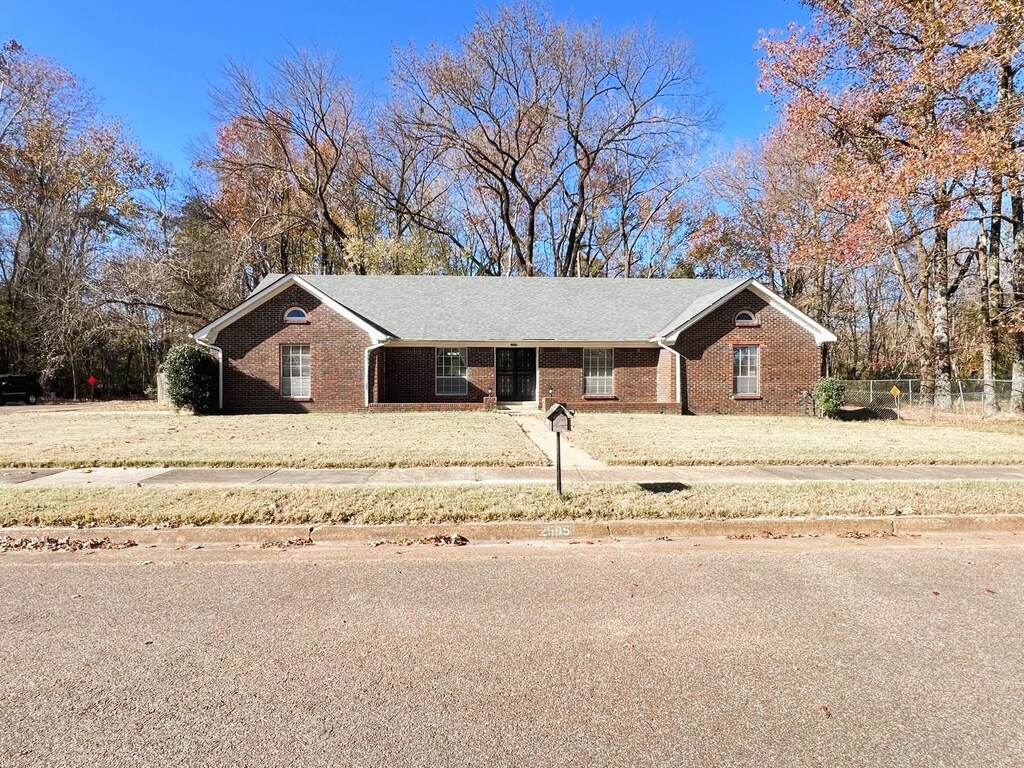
(515,371)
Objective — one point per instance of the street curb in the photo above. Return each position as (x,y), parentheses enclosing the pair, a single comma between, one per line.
(189,534)
(534,531)
(958,524)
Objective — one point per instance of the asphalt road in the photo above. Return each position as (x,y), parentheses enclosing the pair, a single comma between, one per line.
(692,652)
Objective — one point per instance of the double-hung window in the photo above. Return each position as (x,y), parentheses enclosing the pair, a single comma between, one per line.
(450,371)
(295,370)
(598,371)
(746,368)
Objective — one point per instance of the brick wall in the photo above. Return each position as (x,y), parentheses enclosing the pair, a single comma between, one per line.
(561,373)
(636,375)
(595,406)
(666,373)
(252,357)
(409,376)
(790,360)
(423,407)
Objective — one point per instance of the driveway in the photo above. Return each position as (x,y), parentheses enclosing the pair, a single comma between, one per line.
(690,652)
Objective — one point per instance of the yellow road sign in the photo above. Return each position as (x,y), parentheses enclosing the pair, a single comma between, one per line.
(896,391)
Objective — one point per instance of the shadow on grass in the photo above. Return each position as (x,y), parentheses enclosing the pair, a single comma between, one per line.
(866,414)
(664,487)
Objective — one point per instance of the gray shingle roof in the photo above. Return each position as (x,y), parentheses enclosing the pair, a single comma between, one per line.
(441,308)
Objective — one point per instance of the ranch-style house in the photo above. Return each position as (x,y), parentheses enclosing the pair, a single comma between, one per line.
(348,342)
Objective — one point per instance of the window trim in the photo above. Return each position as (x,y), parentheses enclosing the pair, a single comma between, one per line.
(281,376)
(611,375)
(744,323)
(732,363)
(464,354)
(294,320)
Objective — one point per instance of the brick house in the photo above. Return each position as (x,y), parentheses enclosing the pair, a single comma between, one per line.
(345,342)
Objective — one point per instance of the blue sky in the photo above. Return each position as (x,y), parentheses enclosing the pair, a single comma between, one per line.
(152,63)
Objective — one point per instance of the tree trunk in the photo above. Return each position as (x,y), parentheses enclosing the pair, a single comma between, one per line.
(943,363)
(1017,294)
(988,279)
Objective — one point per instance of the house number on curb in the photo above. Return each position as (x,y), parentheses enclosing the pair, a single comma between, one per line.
(556,531)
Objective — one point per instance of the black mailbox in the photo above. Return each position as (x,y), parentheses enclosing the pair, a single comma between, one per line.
(559,418)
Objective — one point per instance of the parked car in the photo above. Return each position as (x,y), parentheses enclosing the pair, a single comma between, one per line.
(22,387)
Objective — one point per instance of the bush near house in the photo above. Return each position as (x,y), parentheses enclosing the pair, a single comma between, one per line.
(829,396)
(191,378)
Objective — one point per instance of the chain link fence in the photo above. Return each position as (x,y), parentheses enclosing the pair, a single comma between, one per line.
(880,397)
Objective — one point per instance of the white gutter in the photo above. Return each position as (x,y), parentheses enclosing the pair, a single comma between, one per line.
(366,371)
(679,370)
(220,370)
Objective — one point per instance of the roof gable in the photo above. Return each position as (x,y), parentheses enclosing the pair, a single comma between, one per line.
(268,288)
(701,310)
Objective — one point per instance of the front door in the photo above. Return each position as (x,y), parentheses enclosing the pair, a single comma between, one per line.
(515,372)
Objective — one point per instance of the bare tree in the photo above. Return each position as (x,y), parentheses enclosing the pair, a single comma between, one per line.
(526,111)
(288,157)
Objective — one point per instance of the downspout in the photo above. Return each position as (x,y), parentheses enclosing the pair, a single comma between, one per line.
(220,370)
(679,370)
(366,371)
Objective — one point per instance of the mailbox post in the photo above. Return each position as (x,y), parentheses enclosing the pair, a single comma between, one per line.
(559,420)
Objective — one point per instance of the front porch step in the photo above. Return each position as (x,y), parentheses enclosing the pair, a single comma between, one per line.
(523,405)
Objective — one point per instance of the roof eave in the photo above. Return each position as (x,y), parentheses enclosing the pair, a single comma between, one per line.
(442,342)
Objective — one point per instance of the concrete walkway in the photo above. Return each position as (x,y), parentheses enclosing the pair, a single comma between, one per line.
(573,457)
(144,476)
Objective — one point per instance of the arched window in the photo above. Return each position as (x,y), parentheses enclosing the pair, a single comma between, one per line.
(296,315)
(746,317)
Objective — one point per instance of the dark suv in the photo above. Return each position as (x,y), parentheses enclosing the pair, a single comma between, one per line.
(19,386)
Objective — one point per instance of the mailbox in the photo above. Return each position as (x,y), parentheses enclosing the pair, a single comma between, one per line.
(559,418)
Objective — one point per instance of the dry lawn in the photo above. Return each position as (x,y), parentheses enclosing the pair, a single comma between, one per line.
(731,440)
(92,436)
(151,505)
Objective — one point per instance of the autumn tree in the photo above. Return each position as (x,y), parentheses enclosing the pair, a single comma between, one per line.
(67,183)
(287,160)
(889,88)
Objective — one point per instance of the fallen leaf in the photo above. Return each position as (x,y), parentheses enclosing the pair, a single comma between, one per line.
(866,535)
(64,544)
(449,540)
(287,543)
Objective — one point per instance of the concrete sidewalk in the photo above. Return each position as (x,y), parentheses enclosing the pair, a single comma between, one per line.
(496,475)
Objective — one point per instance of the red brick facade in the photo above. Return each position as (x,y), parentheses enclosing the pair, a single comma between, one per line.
(790,360)
(409,376)
(252,357)
(635,377)
(401,377)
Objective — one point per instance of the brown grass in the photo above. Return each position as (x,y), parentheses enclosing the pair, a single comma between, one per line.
(57,437)
(731,440)
(113,505)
